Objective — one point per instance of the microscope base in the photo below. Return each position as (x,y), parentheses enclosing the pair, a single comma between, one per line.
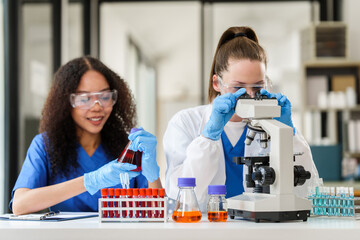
(269,207)
(270,216)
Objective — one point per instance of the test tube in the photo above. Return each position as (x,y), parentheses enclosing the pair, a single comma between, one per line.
(111,203)
(136,195)
(142,203)
(148,203)
(129,193)
(162,195)
(155,193)
(123,203)
(117,195)
(104,203)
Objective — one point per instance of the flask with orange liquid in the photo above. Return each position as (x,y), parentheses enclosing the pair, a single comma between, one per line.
(186,206)
(217,204)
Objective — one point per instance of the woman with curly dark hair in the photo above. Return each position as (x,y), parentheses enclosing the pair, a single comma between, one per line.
(85,124)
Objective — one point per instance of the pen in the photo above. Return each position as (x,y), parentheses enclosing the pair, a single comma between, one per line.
(49,214)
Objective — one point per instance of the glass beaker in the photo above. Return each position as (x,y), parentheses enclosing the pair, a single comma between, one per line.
(217,204)
(129,156)
(186,205)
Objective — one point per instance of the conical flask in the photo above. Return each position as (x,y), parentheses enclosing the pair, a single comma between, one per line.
(129,156)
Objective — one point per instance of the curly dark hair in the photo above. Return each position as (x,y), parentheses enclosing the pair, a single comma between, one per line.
(58,128)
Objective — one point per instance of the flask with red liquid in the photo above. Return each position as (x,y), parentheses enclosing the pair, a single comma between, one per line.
(186,207)
(129,156)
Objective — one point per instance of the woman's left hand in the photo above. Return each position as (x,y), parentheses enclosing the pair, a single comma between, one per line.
(285,105)
(145,142)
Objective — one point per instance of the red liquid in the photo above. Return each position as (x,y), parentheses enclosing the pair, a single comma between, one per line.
(162,195)
(136,195)
(220,216)
(186,217)
(149,203)
(123,203)
(129,193)
(117,195)
(129,156)
(111,203)
(104,203)
(142,203)
(155,195)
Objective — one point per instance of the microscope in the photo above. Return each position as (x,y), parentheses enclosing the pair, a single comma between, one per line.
(274,176)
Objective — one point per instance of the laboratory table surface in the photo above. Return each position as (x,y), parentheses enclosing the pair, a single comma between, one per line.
(90,228)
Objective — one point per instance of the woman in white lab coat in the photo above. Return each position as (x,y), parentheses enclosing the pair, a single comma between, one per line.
(200,142)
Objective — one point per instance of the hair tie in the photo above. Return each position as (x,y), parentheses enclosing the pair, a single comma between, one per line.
(239,35)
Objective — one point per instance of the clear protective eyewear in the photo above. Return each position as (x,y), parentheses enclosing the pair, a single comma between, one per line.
(88,100)
(266,84)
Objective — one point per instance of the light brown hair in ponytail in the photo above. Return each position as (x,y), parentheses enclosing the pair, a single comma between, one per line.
(245,46)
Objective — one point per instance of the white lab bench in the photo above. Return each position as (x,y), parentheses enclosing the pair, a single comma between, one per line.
(90,228)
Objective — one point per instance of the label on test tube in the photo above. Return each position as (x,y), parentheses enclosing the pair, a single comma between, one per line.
(117,195)
(129,193)
(123,203)
(162,195)
(111,203)
(142,203)
(136,195)
(149,203)
(104,203)
(155,192)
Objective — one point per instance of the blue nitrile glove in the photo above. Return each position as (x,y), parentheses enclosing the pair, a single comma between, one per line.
(145,142)
(223,108)
(285,105)
(107,176)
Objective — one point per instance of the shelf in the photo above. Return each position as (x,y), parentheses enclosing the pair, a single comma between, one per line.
(352,155)
(316,108)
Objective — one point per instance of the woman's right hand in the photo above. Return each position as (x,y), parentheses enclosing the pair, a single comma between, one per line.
(223,108)
(107,176)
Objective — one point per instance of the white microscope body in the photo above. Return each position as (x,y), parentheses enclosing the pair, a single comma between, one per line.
(281,204)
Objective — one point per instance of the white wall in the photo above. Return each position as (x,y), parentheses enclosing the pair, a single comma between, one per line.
(2,110)
(351,16)
(168,34)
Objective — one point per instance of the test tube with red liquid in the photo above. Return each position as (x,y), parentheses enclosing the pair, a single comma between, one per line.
(117,195)
(149,203)
(162,195)
(142,203)
(104,203)
(123,203)
(155,195)
(136,195)
(129,156)
(129,193)
(111,203)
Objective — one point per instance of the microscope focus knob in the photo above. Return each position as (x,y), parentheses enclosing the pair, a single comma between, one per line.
(300,175)
(264,175)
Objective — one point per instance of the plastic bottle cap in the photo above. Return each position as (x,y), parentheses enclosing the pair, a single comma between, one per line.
(111,192)
(123,192)
(161,192)
(117,192)
(134,130)
(155,192)
(136,192)
(104,192)
(186,182)
(148,192)
(217,189)
(129,192)
(142,192)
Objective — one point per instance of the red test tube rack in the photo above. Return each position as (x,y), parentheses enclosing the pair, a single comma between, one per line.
(133,205)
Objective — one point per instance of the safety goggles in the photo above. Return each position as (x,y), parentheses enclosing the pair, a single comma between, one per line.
(88,100)
(253,87)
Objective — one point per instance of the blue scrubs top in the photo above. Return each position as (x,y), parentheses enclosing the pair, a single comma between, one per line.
(36,173)
(234,173)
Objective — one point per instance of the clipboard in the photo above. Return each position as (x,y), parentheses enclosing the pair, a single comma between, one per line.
(49,217)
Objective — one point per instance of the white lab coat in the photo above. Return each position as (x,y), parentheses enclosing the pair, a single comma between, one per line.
(189,154)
